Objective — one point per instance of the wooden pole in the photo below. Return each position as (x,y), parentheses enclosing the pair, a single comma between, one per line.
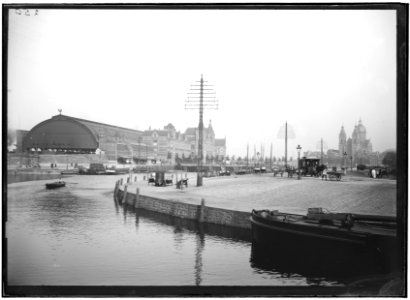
(137,198)
(201,216)
(201,130)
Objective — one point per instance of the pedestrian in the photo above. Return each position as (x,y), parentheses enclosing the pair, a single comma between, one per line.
(373,173)
(324,174)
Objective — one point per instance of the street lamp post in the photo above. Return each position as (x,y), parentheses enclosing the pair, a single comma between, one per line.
(257,165)
(298,148)
(344,156)
(377,153)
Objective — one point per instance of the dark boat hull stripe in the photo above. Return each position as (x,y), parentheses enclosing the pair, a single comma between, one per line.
(312,234)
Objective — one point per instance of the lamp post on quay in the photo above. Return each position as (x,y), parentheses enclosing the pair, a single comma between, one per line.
(298,148)
(257,162)
(344,156)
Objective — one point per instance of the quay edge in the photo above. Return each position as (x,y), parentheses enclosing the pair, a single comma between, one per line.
(200,212)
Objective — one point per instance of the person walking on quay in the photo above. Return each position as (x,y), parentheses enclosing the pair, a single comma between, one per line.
(324,174)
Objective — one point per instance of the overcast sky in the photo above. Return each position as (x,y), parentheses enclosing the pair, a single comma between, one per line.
(315,69)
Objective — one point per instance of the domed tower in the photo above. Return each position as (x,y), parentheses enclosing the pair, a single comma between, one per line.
(361,131)
(361,147)
(342,141)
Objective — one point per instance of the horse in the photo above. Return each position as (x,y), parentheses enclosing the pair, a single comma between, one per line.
(381,172)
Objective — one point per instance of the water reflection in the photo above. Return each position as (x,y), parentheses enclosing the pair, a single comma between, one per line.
(182,226)
(316,266)
(179,225)
(200,243)
(60,211)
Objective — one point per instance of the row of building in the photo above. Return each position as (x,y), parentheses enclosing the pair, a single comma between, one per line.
(65,134)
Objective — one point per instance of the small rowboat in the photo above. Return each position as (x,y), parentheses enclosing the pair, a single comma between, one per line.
(55,185)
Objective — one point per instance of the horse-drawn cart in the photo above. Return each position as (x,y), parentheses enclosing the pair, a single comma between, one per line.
(182,182)
(277,171)
(159,179)
(332,175)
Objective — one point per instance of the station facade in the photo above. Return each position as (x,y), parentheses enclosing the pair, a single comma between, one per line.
(69,135)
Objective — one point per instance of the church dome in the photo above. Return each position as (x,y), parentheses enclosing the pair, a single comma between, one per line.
(361,128)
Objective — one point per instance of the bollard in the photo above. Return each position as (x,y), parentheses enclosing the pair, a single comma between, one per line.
(201,216)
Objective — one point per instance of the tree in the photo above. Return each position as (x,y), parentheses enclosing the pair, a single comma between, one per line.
(389,159)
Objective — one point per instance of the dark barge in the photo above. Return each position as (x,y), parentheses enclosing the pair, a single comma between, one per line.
(338,246)
(322,229)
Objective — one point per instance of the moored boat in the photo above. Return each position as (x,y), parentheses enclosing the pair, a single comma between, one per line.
(321,229)
(55,185)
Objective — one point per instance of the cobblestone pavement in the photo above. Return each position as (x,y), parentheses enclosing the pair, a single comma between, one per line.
(247,192)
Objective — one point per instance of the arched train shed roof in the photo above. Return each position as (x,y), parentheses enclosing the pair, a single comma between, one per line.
(64,132)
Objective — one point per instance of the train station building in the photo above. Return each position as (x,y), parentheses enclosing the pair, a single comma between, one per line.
(69,135)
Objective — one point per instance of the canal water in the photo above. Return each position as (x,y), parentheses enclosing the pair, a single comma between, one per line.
(78,235)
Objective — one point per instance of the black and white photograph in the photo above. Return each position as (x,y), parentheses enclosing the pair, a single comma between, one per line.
(205,150)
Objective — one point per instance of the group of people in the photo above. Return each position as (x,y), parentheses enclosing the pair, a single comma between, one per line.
(376,173)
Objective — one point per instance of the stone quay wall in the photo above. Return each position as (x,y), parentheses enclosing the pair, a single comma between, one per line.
(200,212)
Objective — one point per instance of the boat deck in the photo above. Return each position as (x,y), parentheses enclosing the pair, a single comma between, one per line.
(357,228)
